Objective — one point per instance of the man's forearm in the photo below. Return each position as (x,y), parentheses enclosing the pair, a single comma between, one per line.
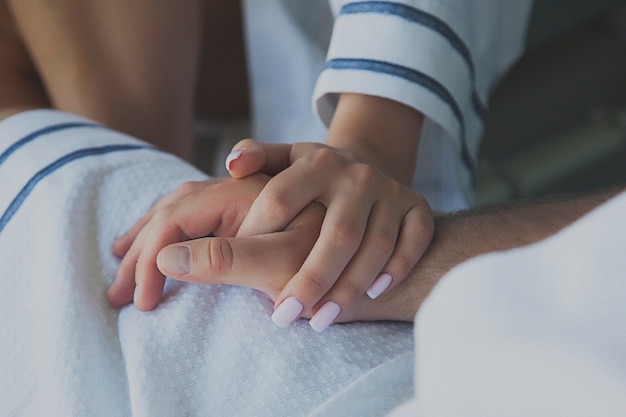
(464,235)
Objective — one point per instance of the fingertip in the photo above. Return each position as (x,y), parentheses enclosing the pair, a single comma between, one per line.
(325,316)
(246,159)
(148,287)
(231,158)
(380,284)
(287,312)
(120,246)
(116,297)
(142,300)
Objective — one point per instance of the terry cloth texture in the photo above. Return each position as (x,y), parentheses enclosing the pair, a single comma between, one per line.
(69,188)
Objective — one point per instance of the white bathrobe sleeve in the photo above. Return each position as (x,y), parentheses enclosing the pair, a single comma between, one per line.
(439,57)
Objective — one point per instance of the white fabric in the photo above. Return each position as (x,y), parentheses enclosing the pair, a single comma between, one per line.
(283,65)
(536,331)
(286,56)
(205,351)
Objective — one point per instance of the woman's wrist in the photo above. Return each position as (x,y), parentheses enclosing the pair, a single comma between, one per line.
(378,131)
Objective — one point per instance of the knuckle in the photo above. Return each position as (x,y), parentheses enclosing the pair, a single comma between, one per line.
(142,264)
(164,220)
(422,230)
(164,213)
(394,188)
(350,291)
(313,285)
(187,187)
(275,207)
(363,175)
(427,230)
(344,236)
(382,244)
(324,155)
(420,203)
(403,263)
(219,256)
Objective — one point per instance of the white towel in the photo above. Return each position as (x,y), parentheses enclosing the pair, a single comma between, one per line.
(69,187)
(536,331)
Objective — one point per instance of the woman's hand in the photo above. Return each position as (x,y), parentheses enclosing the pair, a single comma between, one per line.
(374,231)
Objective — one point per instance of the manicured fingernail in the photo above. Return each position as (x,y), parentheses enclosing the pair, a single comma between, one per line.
(379,286)
(325,316)
(175,260)
(234,155)
(287,312)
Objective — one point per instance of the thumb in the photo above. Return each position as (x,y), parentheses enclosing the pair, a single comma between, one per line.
(249,156)
(249,262)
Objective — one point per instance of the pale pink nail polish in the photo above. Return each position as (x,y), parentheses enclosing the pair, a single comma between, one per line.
(325,316)
(379,285)
(234,155)
(287,312)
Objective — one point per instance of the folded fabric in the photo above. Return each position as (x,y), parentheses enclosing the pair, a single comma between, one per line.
(69,188)
(536,331)
(532,331)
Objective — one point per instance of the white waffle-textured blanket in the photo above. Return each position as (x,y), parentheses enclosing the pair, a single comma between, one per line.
(536,331)
(68,188)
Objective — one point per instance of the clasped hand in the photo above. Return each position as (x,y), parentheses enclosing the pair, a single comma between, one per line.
(309,225)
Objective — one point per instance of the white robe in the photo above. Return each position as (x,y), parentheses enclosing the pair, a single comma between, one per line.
(439,57)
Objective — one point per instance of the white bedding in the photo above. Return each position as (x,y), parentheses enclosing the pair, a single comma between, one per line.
(205,351)
(534,331)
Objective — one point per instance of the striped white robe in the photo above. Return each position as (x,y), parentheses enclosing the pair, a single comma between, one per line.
(439,57)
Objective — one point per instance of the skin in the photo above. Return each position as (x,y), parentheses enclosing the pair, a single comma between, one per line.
(235,260)
(19,82)
(373,223)
(60,54)
(101,80)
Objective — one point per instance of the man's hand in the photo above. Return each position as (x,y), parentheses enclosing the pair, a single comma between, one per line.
(194,210)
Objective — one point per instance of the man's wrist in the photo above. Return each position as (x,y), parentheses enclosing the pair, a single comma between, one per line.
(465,235)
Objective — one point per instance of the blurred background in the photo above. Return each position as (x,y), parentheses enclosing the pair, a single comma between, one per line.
(557,121)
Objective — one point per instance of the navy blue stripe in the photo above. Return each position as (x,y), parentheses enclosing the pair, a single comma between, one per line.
(416,77)
(42,132)
(430,21)
(479,107)
(44,172)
